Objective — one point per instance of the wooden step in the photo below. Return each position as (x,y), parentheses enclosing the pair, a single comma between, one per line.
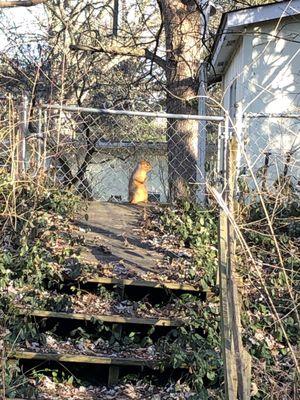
(118,319)
(143,283)
(78,358)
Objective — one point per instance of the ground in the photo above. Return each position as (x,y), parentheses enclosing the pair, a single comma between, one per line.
(124,302)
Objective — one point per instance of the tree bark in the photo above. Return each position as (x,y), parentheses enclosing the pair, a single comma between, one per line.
(183,43)
(115,18)
(21,3)
(80,178)
(115,49)
(182,26)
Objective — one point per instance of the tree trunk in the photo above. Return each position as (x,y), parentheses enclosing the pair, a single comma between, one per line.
(182,25)
(183,44)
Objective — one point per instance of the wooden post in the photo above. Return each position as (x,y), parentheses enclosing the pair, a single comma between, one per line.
(230,377)
(242,358)
(227,342)
(236,360)
(114,371)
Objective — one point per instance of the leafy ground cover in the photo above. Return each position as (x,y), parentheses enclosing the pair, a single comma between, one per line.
(103,303)
(269,291)
(187,234)
(271,295)
(41,249)
(87,345)
(55,389)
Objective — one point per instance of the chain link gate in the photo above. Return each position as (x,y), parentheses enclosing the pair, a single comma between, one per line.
(96,150)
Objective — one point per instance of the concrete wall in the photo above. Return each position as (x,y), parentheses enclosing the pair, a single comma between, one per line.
(111,178)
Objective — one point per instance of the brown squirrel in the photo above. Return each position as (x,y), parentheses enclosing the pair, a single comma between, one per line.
(137,190)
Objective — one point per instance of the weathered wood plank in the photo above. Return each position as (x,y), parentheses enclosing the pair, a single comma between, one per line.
(78,358)
(105,318)
(136,282)
(237,362)
(227,341)
(114,371)
(243,371)
(112,231)
(113,375)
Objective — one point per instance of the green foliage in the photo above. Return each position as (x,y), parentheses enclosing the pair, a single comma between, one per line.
(30,220)
(197,344)
(196,228)
(35,246)
(57,376)
(62,202)
(6,261)
(16,383)
(263,337)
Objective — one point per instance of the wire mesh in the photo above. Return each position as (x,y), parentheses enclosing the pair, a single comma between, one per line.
(269,158)
(264,215)
(97,150)
(11,145)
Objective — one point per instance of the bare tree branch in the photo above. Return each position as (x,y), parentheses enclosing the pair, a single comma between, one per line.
(157,36)
(20,3)
(122,51)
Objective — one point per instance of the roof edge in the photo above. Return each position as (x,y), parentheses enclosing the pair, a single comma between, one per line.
(237,19)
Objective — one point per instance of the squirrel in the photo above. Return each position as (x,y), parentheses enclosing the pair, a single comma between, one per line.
(137,190)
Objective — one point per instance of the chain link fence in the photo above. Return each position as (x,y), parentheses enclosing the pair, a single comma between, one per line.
(96,150)
(269,155)
(259,249)
(257,161)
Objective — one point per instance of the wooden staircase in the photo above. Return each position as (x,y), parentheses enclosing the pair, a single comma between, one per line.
(117,322)
(111,226)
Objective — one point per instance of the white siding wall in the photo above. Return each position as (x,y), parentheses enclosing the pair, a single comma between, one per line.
(234,72)
(269,82)
(272,67)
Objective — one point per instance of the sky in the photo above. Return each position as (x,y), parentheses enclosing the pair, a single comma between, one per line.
(25,19)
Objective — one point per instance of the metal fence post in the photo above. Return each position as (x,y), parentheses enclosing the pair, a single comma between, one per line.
(201,190)
(23,130)
(45,132)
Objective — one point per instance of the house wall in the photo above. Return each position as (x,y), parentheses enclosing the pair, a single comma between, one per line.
(272,67)
(234,73)
(268,81)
